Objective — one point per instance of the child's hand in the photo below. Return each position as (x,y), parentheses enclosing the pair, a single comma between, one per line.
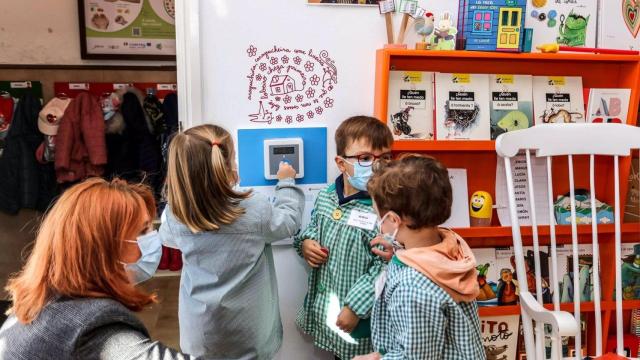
(372,356)
(386,253)
(286,171)
(347,320)
(313,253)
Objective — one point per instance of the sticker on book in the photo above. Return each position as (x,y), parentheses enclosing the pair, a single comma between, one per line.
(287,85)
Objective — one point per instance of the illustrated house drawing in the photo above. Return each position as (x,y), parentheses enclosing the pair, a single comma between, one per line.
(282,84)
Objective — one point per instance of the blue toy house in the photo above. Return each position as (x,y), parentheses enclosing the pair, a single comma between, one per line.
(492,25)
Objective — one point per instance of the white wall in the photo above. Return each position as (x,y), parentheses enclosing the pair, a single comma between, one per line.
(45,32)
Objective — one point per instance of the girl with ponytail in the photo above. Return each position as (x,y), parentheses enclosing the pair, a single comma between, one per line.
(228,306)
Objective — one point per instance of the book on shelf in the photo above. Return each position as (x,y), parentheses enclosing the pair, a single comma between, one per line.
(460,199)
(566,276)
(411,105)
(630,271)
(462,107)
(632,205)
(499,281)
(567,23)
(618,26)
(608,105)
(558,99)
(511,103)
(500,336)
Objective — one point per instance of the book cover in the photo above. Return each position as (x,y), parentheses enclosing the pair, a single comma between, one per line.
(462,106)
(618,25)
(632,205)
(558,99)
(500,336)
(511,103)
(488,276)
(630,271)
(460,205)
(565,22)
(608,105)
(411,105)
(565,272)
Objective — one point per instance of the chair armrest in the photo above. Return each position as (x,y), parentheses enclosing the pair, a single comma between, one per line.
(563,322)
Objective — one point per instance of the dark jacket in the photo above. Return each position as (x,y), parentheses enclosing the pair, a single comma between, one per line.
(24,183)
(82,329)
(80,144)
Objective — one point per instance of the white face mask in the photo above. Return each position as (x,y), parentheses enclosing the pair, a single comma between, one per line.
(390,238)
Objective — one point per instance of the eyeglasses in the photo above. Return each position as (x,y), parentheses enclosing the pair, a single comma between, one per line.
(367,159)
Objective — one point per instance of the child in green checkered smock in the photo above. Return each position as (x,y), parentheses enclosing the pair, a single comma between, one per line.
(337,308)
(425,307)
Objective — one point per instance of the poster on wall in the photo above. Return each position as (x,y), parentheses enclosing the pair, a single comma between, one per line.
(344,2)
(127,29)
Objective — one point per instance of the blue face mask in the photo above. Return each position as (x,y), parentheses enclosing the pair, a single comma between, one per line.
(151,248)
(361,175)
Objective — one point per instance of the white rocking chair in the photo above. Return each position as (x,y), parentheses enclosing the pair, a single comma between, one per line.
(552,141)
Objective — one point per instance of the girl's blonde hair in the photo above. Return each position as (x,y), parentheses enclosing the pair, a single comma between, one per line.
(200,179)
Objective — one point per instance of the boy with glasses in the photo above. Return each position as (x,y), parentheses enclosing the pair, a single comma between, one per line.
(338,304)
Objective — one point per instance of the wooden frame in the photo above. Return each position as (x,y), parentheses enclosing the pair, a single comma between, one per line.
(84,53)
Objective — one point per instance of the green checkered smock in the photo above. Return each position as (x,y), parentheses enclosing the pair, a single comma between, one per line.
(346,279)
(416,319)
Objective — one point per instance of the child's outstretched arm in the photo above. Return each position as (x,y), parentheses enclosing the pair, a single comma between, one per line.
(285,215)
(361,296)
(417,326)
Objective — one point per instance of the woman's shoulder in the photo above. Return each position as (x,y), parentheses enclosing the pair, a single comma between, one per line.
(91,311)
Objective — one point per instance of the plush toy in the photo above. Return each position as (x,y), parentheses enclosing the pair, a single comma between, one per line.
(424,27)
(444,35)
(481,208)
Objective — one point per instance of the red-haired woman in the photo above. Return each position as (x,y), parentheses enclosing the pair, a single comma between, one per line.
(76,295)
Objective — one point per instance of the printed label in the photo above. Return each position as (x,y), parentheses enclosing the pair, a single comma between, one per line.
(504,79)
(414,98)
(505,100)
(557,80)
(120,86)
(413,76)
(78,86)
(461,78)
(20,84)
(169,87)
(461,100)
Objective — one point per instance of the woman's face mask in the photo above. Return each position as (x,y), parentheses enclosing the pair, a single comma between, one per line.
(390,237)
(150,247)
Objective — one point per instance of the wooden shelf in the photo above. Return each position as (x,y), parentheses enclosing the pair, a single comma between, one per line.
(543,230)
(480,160)
(497,56)
(515,309)
(445,145)
(568,307)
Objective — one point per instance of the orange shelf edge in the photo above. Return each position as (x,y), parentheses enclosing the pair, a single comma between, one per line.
(444,145)
(461,54)
(544,230)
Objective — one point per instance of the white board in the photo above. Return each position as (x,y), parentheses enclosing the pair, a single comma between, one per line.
(229,31)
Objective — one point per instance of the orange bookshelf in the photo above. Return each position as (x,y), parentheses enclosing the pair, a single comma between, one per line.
(480,159)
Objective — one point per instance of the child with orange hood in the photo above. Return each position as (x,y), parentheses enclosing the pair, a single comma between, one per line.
(425,307)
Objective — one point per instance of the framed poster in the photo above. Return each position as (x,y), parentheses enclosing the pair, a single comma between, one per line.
(344,2)
(127,29)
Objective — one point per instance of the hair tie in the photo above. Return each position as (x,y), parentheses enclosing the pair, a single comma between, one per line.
(216,144)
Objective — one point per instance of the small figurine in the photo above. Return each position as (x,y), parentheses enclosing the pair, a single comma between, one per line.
(424,27)
(508,291)
(444,35)
(486,292)
(481,208)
